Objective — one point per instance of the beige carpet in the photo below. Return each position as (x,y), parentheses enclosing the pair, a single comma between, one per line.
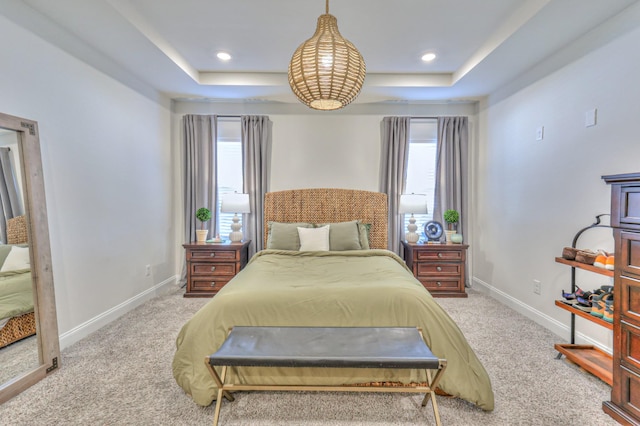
(121,375)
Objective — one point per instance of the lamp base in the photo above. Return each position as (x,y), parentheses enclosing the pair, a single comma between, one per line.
(235,237)
(236,230)
(412,236)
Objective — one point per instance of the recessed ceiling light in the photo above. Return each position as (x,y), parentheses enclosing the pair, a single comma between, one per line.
(428,57)
(223,56)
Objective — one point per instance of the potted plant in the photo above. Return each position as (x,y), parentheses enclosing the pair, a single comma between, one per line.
(203,214)
(451,217)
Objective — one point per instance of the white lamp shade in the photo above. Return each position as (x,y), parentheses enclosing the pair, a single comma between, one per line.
(413,203)
(235,203)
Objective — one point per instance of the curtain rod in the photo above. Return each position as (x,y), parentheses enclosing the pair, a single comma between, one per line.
(424,118)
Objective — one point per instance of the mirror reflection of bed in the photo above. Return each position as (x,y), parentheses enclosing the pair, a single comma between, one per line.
(18,343)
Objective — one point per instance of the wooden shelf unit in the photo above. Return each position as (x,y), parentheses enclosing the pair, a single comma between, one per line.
(585,266)
(590,358)
(584,315)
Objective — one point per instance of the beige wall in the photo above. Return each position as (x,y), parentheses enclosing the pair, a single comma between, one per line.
(108,180)
(532,196)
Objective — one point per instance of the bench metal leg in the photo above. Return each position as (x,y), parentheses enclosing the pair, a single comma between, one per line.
(221,392)
(432,394)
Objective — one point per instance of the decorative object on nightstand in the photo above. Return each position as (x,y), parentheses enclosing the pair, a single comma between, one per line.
(412,203)
(439,267)
(211,266)
(235,203)
(451,217)
(203,214)
(433,230)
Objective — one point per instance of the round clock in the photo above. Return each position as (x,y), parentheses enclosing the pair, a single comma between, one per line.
(433,230)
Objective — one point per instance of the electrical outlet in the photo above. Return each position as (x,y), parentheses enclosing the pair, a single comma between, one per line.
(147,270)
(536,286)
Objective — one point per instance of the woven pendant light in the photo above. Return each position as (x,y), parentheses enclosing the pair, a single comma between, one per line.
(326,72)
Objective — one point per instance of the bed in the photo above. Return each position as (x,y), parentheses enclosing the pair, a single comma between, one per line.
(347,285)
(17,319)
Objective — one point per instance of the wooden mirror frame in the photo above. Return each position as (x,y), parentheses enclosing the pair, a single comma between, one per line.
(40,252)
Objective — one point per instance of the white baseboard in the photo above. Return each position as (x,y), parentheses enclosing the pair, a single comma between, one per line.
(559,328)
(83,330)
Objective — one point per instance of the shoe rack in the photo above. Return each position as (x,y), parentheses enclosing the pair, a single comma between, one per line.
(589,357)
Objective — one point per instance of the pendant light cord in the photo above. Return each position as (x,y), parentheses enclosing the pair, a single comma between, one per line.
(327,7)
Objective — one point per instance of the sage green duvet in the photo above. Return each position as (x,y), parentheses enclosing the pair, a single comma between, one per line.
(347,288)
(16,293)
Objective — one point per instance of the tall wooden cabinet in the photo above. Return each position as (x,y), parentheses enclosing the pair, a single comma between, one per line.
(625,220)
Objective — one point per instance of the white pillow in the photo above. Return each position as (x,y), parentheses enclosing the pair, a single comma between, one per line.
(18,258)
(314,239)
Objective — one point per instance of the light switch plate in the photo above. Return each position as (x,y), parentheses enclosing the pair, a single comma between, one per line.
(590,117)
(540,133)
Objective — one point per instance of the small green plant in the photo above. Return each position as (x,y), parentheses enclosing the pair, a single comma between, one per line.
(451,217)
(203,214)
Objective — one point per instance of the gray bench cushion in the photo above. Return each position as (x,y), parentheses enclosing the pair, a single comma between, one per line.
(355,347)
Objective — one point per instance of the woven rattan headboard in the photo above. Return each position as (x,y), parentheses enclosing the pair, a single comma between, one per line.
(321,205)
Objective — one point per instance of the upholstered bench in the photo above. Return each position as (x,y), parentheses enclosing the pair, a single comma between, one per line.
(338,347)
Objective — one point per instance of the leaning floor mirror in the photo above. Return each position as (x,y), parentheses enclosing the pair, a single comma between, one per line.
(29,344)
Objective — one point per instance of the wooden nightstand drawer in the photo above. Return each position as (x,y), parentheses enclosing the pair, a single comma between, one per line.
(213,269)
(211,256)
(437,254)
(208,284)
(437,284)
(440,269)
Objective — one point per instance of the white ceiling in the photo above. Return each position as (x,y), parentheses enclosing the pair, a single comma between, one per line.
(170,45)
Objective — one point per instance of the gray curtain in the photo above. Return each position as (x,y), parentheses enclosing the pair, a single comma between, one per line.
(393,171)
(10,204)
(256,157)
(452,170)
(200,174)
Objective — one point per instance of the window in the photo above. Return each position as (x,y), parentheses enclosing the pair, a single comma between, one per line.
(421,166)
(229,167)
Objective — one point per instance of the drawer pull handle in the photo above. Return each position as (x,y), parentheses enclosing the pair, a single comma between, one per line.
(212,255)
(439,268)
(213,283)
(439,284)
(213,268)
(439,254)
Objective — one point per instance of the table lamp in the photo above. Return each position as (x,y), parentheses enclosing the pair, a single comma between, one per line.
(235,203)
(412,203)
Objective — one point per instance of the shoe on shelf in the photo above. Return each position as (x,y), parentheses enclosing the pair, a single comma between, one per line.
(608,312)
(569,253)
(586,256)
(610,263)
(601,261)
(599,304)
(571,297)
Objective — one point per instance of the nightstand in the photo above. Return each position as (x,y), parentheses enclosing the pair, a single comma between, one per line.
(439,267)
(211,265)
